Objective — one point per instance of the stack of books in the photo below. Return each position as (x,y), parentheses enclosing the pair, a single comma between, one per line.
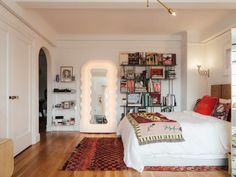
(139,87)
(126,86)
(170,74)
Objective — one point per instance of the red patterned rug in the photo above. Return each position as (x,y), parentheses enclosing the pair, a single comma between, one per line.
(106,154)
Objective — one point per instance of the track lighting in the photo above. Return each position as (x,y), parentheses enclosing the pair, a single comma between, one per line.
(170,10)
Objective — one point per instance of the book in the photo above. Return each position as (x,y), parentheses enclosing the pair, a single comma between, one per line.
(156,86)
(134,98)
(155,99)
(130,85)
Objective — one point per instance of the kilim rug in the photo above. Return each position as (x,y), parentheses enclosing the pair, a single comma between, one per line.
(106,154)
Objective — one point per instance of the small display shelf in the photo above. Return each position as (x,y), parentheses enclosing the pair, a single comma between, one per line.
(64,108)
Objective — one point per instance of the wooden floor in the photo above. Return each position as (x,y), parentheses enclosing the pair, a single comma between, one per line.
(47,157)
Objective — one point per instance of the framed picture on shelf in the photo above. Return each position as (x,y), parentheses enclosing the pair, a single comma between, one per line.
(66,73)
(133,58)
(66,104)
(72,121)
(150,58)
(157,72)
(124,58)
(169,59)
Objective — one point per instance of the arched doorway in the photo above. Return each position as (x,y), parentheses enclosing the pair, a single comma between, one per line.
(42,91)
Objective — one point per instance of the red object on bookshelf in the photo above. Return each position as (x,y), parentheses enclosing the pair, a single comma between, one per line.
(169,59)
(156,86)
(157,72)
(156,98)
(130,85)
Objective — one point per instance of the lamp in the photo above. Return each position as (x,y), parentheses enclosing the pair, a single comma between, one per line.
(170,10)
(203,72)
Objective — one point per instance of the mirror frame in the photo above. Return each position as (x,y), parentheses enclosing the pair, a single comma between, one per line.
(85,103)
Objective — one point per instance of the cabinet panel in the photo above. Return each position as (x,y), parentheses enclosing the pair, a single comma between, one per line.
(19,91)
(3,81)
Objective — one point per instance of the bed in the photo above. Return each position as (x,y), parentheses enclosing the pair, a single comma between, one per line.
(207,141)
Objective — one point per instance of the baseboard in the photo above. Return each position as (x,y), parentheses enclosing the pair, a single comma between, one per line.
(36,139)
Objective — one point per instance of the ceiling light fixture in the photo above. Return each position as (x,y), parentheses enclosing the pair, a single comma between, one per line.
(170,10)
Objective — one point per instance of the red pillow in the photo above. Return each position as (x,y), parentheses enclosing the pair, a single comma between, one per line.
(206,105)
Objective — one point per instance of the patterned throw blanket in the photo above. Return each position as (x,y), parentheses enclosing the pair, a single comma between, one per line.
(154,127)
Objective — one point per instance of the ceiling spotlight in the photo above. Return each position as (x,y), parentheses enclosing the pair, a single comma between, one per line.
(172,12)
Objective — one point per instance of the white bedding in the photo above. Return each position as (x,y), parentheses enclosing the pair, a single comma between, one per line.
(205,138)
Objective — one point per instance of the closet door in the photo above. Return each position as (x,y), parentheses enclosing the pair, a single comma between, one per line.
(19,92)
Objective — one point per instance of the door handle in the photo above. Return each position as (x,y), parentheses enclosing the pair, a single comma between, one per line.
(13,97)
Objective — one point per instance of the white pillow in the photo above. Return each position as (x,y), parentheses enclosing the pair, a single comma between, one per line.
(224,101)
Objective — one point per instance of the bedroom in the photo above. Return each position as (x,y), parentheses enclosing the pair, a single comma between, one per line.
(99,31)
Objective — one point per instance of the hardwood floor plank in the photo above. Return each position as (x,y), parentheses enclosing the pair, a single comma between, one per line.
(46,159)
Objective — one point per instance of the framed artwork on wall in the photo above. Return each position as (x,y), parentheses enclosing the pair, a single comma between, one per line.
(66,105)
(66,73)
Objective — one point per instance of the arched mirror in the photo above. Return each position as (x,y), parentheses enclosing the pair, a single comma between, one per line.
(98,97)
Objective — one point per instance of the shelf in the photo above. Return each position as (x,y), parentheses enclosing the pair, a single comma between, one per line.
(148,79)
(61,109)
(64,92)
(71,82)
(157,106)
(140,92)
(64,125)
(137,65)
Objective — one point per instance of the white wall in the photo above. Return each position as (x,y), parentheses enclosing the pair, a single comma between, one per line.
(210,55)
(76,52)
(183,76)
(196,84)
(216,60)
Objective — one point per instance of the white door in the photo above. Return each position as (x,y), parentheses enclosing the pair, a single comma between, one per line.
(19,92)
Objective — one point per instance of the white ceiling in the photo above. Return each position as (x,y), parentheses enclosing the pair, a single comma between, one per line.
(101,17)
(129,21)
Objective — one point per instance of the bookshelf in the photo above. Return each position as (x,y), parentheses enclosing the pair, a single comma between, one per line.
(141,77)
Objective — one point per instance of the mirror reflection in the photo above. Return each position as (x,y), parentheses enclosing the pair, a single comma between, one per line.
(99,96)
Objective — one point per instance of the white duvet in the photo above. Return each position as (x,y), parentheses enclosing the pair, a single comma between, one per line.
(205,138)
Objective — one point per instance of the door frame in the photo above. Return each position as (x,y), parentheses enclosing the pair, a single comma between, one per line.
(35,102)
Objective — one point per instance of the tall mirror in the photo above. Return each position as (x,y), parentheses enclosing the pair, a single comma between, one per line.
(99,96)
